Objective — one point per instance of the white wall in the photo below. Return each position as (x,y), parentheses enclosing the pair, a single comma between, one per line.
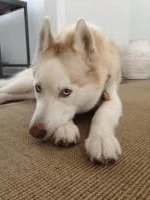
(112,16)
(50,9)
(123,20)
(56,10)
(12,32)
(140,20)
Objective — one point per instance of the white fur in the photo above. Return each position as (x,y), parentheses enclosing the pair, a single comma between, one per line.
(68,134)
(56,113)
(18,87)
(102,143)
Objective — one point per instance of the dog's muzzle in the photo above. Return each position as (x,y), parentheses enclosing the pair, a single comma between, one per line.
(38,131)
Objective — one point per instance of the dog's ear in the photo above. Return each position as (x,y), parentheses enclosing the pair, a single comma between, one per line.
(45,36)
(83,38)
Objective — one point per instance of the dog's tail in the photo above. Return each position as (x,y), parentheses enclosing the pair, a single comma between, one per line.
(25,74)
(18,87)
(4,82)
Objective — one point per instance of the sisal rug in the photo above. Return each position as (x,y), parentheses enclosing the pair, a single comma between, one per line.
(40,171)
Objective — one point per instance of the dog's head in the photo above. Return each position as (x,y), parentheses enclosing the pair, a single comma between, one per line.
(66,78)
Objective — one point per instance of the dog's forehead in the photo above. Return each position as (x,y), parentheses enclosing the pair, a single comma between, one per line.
(52,73)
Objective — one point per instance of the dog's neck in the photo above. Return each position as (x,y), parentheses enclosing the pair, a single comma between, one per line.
(103,97)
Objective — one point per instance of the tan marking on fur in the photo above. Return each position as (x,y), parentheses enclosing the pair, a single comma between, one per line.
(60,47)
(78,70)
(103,61)
(106,57)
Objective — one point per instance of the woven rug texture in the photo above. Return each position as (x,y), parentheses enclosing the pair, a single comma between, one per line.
(30,170)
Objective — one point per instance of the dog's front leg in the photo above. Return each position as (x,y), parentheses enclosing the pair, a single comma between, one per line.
(66,135)
(102,145)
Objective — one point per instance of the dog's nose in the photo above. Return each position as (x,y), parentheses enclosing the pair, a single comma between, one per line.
(38,131)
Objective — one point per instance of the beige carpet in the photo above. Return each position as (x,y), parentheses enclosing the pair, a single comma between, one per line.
(33,171)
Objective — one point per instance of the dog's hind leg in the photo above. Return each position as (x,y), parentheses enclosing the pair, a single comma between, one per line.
(19,87)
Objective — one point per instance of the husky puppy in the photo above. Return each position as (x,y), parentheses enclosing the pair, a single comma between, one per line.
(69,76)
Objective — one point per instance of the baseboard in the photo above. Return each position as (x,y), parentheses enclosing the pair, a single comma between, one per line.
(10,71)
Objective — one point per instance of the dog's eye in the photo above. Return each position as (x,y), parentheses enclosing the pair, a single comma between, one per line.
(65,92)
(38,88)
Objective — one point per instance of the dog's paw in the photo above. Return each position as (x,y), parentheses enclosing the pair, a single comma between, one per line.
(103,149)
(66,135)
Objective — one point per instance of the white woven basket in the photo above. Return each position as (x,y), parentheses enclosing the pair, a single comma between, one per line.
(137,60)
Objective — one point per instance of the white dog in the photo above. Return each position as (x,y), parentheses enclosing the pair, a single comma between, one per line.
(69,76)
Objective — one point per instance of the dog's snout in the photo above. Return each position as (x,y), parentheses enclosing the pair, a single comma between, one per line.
(38,131)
